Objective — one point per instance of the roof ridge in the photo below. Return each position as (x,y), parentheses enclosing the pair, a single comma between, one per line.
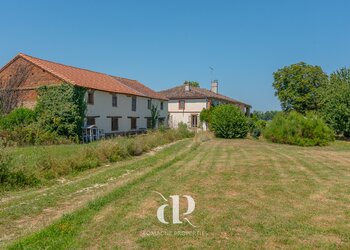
(126,78)
(143,85)
(114,77)
(30,59)
(62,64)
(89,78)
(205,92)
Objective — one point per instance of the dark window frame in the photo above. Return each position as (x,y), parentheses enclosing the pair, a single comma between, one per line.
(161,105)
(149,103)
(182,104)
(114,123)
(133,123)
(149,122)
(114,100)
(89,119)
(194,121)
(90,98)
(133,103)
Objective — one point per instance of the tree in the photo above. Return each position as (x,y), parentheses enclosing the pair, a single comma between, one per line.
(335,102)
(9,88)
(296,86)
(192,83)
(266,116)
(154,116)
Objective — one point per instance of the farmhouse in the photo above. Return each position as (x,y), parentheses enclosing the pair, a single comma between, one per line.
(186,102)
(114,104)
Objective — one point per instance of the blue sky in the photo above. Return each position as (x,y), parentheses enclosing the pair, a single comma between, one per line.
(163,43)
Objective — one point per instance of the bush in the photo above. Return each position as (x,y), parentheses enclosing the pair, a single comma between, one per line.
(297,129)
(19,117)
(205,116)
(10,178)
(228,121)
(31,134)
(4,166)
(183,131)
(256,126)
(93,155)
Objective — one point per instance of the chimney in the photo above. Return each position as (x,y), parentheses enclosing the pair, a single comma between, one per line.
(214,86)
(187,87)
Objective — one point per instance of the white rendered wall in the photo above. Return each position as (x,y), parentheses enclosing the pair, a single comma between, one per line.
(192,107)
(102,109)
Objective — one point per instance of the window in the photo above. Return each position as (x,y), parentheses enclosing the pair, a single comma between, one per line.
(114,101)
(133,103)
(133,122)
(182,104)
(149,104)
(90,121)
(149,123)
(194,121)
(161,105)
(90,97)
(115,124)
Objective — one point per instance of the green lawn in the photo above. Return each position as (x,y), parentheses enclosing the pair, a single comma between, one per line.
(248,194)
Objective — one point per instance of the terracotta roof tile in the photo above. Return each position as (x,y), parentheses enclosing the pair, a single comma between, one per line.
(94,80)
(137,86)
(196,93)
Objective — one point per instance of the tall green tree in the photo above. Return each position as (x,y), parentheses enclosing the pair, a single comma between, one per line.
(192,83)
(335,102)
(266,116)
(297,86)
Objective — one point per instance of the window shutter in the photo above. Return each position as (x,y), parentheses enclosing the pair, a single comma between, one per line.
(90,98)
(115,124)
(133,103)
(114,101)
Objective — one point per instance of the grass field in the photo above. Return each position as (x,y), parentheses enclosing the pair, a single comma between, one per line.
(248,194)
(40,166)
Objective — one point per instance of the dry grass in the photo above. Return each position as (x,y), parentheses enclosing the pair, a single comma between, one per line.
(249,194)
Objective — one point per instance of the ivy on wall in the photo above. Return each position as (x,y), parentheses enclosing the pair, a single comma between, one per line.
(61,109)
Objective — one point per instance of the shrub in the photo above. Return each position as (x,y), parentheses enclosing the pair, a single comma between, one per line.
(297,129)
(31,134)
(4,166)
(19,117)
(10,178)
(228,121)
(183,130)
(49,167)
(205,116)
(256,126)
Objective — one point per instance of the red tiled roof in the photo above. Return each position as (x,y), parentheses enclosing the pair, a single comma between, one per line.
(94,80)
(179,92)
(135,85)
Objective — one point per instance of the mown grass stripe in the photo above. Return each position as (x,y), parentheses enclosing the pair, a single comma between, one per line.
(60,234)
